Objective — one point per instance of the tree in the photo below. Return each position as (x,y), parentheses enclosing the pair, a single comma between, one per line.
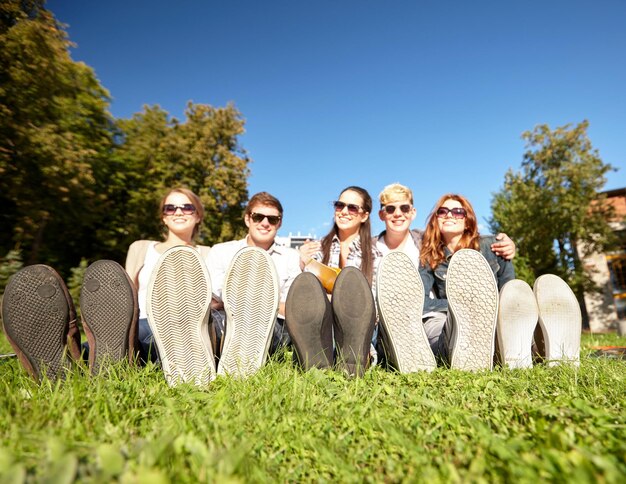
(154,153)
(54,130)
(552,208)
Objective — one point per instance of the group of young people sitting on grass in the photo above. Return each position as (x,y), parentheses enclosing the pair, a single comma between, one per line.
(412,300)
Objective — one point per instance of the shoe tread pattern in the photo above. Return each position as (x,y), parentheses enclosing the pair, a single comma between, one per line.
(251,294)
(179,295)
(35,312)
(560,319)
(107,309)
(400,294)
(473,299)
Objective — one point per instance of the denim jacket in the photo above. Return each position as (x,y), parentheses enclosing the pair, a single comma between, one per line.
(435,280)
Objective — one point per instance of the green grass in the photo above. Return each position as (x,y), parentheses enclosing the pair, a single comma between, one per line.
(560,424)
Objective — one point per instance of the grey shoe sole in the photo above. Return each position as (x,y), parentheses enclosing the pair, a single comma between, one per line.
(559,318)
(355,315)
(400,295)
(251,296)
(517,319)
(36,313)
(309,321)
(108,310)
(473,301)
(179,296)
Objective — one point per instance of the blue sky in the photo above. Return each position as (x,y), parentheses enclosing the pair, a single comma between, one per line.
(431,94)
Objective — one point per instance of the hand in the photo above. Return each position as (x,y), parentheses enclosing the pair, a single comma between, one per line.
(307,250)
(505,247)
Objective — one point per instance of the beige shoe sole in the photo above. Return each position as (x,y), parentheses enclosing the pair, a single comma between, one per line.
(560,319)
(179,296)
(400,295)
(251,296)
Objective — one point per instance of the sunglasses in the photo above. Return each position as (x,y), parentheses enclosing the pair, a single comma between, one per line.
(186,208)
(442,212)
(257,218)
(391,209)
(352,208)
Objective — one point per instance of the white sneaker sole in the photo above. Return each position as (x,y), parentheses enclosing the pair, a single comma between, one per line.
(251,296)
(400,295)
(473,300)
(517,319)
(179,295)
(560,319)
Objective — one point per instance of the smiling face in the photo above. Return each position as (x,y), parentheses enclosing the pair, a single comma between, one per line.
(350,223)
(449,226)
(262,233)
(398,221)
(180,224)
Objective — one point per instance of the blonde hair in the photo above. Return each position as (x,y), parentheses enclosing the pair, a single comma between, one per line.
(193,198)
(394,192)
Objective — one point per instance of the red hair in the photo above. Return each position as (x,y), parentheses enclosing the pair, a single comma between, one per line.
(432,252)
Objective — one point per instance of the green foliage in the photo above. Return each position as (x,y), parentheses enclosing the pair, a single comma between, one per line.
(552,207)
(9,265)
(283,425)
(75,283)
(76,183)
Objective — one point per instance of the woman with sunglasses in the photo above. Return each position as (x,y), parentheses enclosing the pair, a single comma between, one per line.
(181,212)
(346,323)
(465,282)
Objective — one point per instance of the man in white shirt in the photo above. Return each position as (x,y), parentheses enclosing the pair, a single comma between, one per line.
(263,217)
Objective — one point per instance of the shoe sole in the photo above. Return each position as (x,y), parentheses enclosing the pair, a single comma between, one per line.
(251,295)
(473,300)
(307,311)
(108,309)
(400,295)
(36,315)
(179,296)
(559,318)
(517,319)
(355,314)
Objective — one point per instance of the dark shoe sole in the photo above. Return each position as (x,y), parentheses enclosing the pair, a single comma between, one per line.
(473,300)
(355,317)
(179,296)
(36,311)
(251,296)
(108,310)
(308,317)
(400,294)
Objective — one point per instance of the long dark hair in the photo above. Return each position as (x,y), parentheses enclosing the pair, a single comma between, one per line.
(365,234)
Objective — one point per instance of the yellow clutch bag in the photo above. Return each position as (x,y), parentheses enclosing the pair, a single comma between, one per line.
(325,274)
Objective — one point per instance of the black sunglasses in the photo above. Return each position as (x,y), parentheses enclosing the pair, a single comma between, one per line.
(186,208)
(257,218)
(352,208)
(442,212)
(391,209)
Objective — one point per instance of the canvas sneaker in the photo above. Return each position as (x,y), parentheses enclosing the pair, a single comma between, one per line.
(400,295)
(108,309)
(559,318)
(251,297)
(179,298)
(39,321)
(473,308)
(517,319)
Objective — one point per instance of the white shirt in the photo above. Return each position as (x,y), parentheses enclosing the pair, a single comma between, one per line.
(286,260)
(409,248)
(152,256)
